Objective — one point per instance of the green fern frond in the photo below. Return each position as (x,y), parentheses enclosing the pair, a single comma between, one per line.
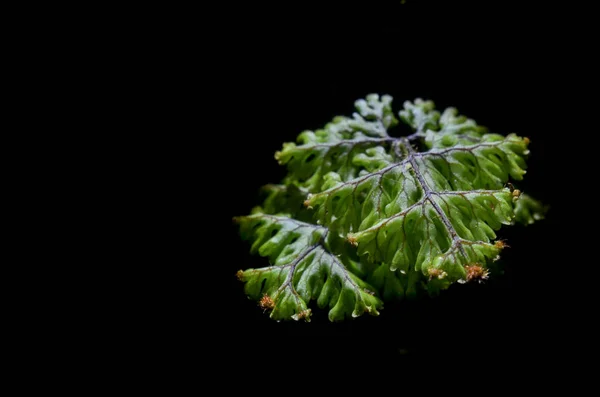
(363,216)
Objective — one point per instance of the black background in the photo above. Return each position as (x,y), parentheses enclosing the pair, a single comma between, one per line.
(276,76)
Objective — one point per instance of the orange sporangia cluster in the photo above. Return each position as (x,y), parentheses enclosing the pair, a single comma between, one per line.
(476,272)
(352,240)
(436,273)
(500,244)
(240,275)
(266,303)
(303,314)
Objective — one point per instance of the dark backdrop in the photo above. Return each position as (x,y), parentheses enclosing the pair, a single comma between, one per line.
(277,76)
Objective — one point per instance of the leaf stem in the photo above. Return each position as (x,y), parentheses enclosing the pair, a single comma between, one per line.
(428,193)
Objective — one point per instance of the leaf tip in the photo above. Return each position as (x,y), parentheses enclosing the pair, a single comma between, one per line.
(526,140)
(307,201)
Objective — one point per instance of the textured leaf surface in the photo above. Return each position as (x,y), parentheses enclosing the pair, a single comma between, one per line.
(383,215)
(346,145)
(302,269)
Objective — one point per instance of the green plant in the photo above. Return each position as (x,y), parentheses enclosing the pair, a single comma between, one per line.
(363,217)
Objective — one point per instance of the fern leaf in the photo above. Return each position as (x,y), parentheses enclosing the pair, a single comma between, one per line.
(385,217)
